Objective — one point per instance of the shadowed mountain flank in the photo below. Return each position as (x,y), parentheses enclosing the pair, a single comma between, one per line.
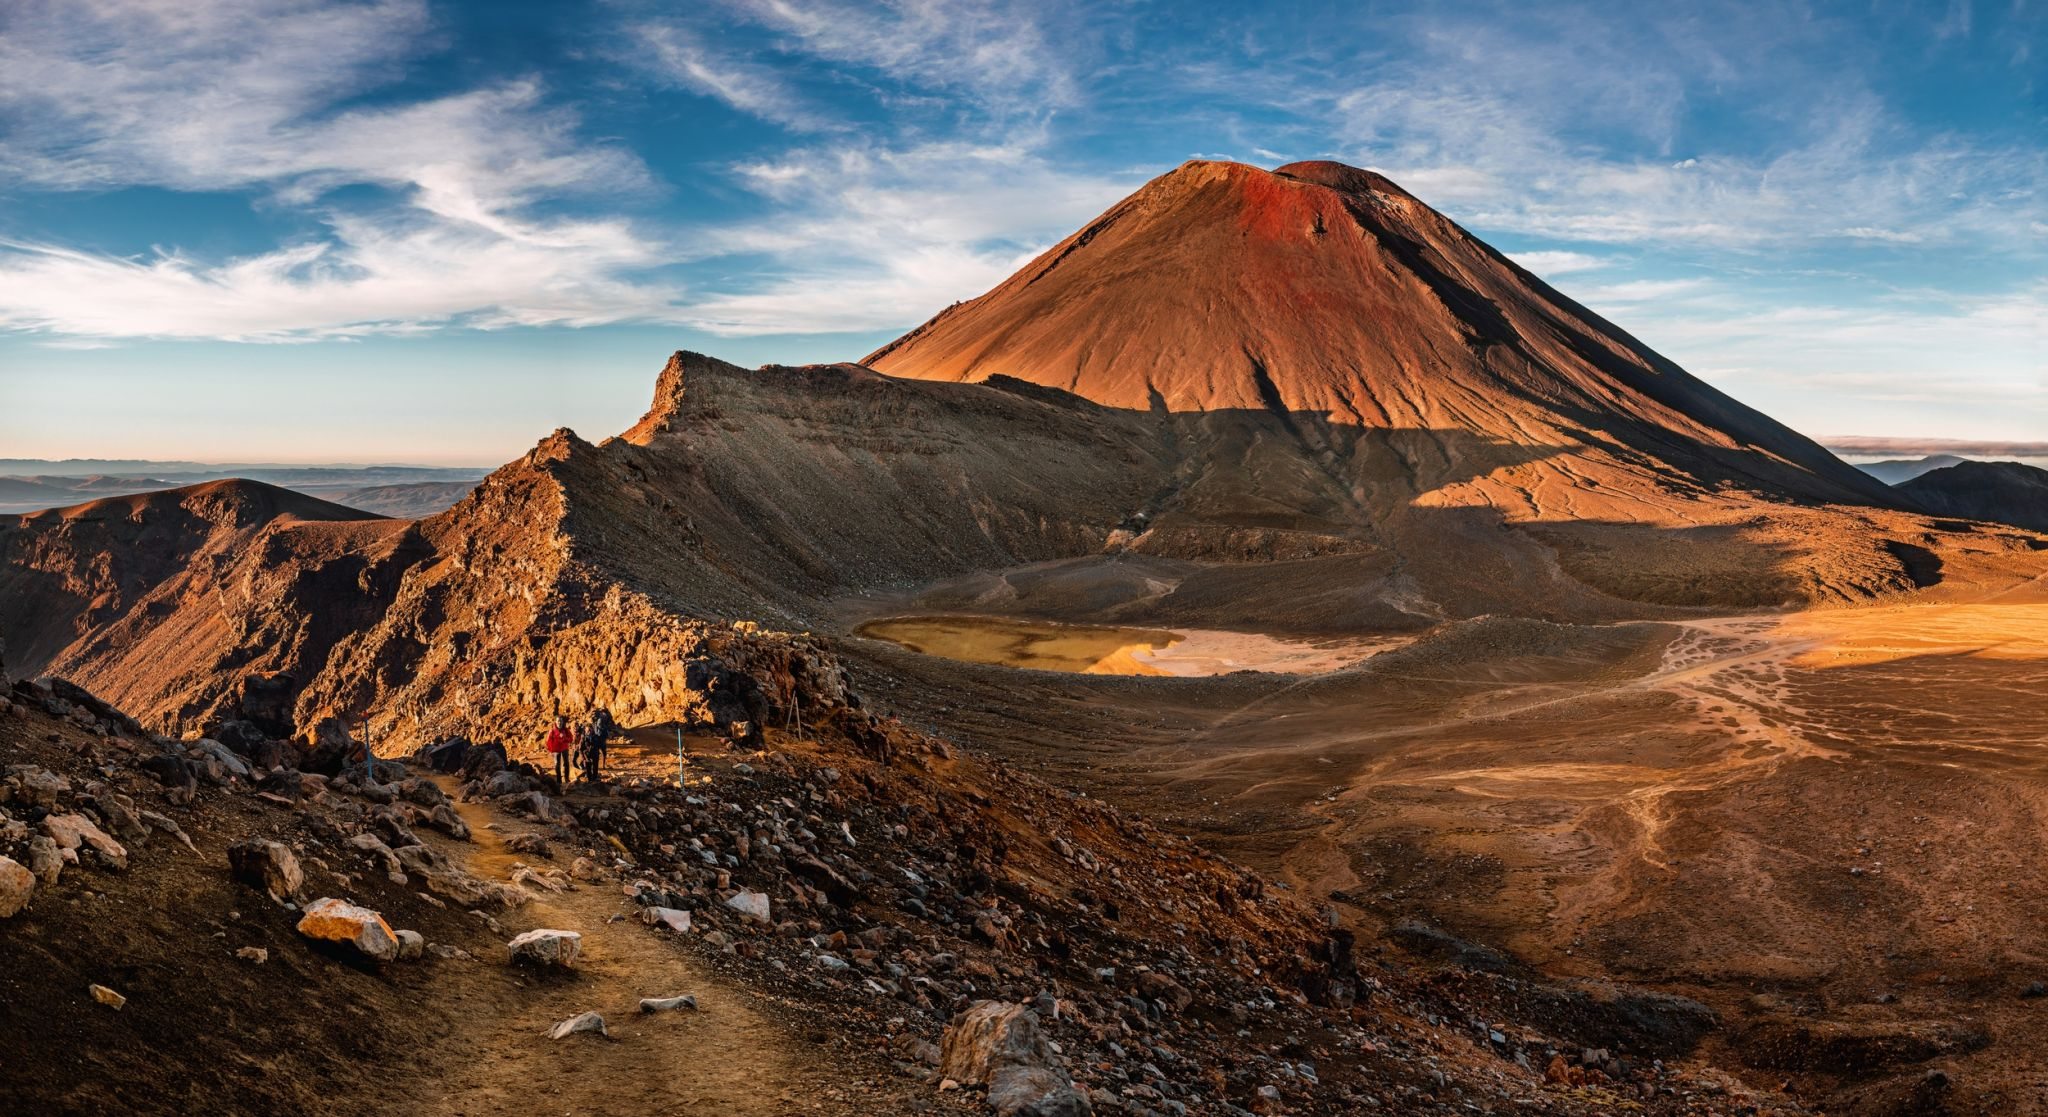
(2000,492)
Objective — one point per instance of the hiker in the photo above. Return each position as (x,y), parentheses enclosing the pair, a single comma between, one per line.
(559,740)
(596,736)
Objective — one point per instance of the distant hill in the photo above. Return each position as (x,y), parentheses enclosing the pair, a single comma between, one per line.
(1897,470)
(31,485)
(416,501)
(2002,492)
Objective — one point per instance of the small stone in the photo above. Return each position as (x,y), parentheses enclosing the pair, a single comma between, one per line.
(583,1022)
(2035,989)
(254,954)
(17,886)
(668,1004)
(411,945)
(545,947)
(330,920)
(106,996)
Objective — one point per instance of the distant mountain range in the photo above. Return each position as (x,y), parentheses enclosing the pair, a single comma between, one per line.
(405,491)
(1897,470)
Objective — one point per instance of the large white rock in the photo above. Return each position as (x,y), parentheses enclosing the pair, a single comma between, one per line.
(17,885)
(668,1004)
(546,947)
(331,920)
(73,831)
(675,919)
(582,1022)
(753,905)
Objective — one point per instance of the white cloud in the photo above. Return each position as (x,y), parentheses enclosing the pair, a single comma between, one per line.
(1002,55)
(244,94)
(681,56)
(1549,263)
(371,278)
(868,238)
(1494,121)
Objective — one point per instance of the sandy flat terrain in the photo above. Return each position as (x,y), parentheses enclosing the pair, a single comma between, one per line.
(1818,821)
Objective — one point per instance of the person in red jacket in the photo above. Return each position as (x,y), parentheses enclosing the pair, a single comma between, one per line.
(559,740)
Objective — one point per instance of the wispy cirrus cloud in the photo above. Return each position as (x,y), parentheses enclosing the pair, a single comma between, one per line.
(254,95)
(873,238)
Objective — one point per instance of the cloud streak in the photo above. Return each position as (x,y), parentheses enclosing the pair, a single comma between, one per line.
(247,95)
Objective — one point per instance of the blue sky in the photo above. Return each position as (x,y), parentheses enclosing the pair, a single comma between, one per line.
(433,231)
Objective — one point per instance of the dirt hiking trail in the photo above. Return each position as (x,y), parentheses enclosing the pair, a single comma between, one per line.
(727,1057)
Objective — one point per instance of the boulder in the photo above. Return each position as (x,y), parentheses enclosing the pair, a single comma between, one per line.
(44,860)
(544,947)
(267,865)
(170,771)
(37,787)
(582,1022)
(448,822)
(531,845)
(225,755)
(998,1044)
(369,843)
(331,747)
(265,701)
(1156,986)
(447,756)
(987,1036)
(338,921)
(420,792)
(753,905)
(73,831)
(483,762)
(842,892)
(1035,1092)
(674,919)
(17,887)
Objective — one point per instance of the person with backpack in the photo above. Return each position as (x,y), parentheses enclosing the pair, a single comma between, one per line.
(558,742)
(596,738)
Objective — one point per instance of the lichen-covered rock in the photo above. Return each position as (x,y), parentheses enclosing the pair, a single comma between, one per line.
(998,1045)
(338,921)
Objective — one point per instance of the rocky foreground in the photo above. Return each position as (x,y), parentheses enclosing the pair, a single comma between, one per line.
(953,934)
